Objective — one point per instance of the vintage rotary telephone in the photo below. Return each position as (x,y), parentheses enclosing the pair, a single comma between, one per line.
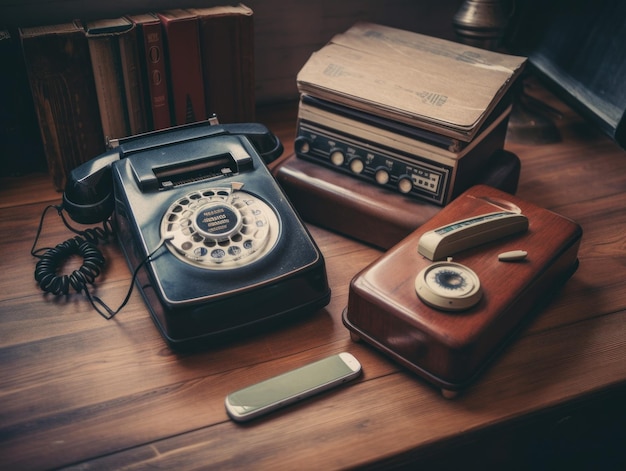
(214,243)
(451,295)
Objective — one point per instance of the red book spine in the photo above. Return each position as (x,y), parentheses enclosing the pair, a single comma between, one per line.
(155,71)
(227,44)
(184,65)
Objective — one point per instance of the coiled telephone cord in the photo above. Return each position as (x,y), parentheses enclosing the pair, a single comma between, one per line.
(83,245)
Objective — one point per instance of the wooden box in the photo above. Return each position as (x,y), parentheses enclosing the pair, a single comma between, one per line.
(369,213)
(449,349)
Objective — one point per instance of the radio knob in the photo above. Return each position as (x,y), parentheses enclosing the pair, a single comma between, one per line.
(302,145)
(405,185)
(382,176)
(357,165)
(337,157)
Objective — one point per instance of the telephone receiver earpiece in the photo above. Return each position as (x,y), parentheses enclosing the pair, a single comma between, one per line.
(88,196)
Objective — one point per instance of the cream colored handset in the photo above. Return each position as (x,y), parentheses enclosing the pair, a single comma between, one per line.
(451,286)
(447,240)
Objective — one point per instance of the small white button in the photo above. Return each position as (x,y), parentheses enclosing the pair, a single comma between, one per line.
(382,177)
(405,185)
(512,256)
(356,166)
(337,158)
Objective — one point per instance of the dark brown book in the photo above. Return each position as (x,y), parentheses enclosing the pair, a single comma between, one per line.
(227,45)
(154,72)
(61,81)
(21,151)
(182,45)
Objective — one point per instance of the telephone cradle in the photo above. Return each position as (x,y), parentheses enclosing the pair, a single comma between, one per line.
(449,339)
(226,253)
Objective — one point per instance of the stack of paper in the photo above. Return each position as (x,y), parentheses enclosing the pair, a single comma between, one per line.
(433,84)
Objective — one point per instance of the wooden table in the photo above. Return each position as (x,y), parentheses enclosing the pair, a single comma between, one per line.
(79,391)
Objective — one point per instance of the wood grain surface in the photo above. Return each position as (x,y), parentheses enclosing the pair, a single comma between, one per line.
(81,392)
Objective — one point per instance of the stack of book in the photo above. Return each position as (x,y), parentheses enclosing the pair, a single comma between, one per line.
(435,84)
(106,79)
(409,97)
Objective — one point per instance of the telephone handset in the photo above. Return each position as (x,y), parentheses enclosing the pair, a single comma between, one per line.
(88,196)
(452,286)
(216,247)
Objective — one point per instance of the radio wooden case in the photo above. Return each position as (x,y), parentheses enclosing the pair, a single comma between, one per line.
(449,349)
(367,212)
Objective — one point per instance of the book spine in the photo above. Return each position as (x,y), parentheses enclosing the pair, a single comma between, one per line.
(133,83)
(155,76)
(62,86)
(247,83)
(21,150)
(185,69)
(105,59)
(228,64)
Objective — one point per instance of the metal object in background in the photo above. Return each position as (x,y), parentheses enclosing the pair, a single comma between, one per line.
(483,23)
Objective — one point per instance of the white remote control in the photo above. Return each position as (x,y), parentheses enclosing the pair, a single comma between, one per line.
(467,233)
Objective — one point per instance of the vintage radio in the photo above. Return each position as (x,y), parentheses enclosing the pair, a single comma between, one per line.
(446,299)
(395,156)
(370,213)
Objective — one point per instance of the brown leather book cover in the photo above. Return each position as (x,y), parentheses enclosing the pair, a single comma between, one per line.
(227,44)
(61,81)
(182,43)
(154,72)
